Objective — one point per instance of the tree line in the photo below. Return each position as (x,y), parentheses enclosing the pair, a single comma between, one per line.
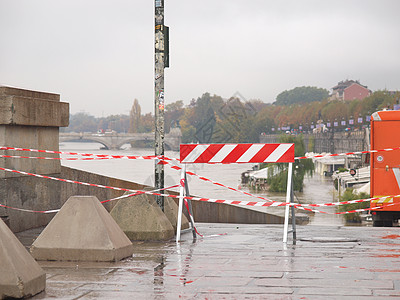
(212,119)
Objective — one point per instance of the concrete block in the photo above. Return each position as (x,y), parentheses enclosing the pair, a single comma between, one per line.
(142,219)
(35,137)
(13,91)
(20,275)
(30,119)
(171,211)
(31,108)
(29,193)
(82,230)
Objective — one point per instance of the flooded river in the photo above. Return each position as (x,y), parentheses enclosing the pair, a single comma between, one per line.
(317,189)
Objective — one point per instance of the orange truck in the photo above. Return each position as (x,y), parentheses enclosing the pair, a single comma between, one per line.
(385,167)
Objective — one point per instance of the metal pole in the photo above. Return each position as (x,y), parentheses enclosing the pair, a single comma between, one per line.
(288,196)
(159,96)
(180,206)
(293,211)
(191,217)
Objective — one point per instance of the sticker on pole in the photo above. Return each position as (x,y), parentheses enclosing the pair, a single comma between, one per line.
(237,153)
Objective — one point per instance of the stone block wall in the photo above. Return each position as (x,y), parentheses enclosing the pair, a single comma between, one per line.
(30,119)
(330,142)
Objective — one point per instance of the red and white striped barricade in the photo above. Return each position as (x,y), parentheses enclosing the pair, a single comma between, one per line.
(237,153)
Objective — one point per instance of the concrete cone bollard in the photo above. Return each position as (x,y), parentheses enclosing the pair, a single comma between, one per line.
(20,275)
(82,230)
(171,211)
(142,220)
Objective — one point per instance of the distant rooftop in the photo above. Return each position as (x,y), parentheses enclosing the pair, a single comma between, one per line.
(346,83)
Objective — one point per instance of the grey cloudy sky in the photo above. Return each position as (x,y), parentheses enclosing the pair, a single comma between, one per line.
(98,54)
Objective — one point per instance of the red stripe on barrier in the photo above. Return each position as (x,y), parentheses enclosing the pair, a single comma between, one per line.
(288,156)
(209,153)
(265,151)
(239,150)
(184,152)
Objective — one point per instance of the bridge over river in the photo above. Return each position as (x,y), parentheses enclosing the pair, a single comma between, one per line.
(116,140)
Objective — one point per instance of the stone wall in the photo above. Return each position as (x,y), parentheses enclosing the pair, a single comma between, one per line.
(30,119)
(330,142)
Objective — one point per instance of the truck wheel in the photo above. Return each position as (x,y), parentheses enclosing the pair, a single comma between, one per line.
(383,219)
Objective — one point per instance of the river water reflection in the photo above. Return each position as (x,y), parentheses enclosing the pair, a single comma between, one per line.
(317,189)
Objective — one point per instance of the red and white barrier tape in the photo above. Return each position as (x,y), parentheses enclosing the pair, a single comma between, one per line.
(175,167)
(72,181)
(233,202)
(274,203)
(348,153)
(31,211)
(97,156)
(346,202)
(140,192)
(299,206)
(104,201)
(163,160)
(346,212)
(57,158)
(166,158)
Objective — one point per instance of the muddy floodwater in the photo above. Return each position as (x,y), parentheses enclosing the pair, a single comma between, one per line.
(318,189)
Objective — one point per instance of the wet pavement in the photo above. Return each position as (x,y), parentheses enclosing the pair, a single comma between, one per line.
(245,262)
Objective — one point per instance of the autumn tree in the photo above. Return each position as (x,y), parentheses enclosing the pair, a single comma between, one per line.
(173,114)
(199,119)
(82,122)
(135,114)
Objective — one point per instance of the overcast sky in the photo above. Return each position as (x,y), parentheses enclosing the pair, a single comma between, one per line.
(99,54)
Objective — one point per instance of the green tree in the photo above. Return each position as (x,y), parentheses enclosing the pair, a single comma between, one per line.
(301,167)
(235,121)
(302,94)
(348,195)
(199,120)
(173,114)
(378,101)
